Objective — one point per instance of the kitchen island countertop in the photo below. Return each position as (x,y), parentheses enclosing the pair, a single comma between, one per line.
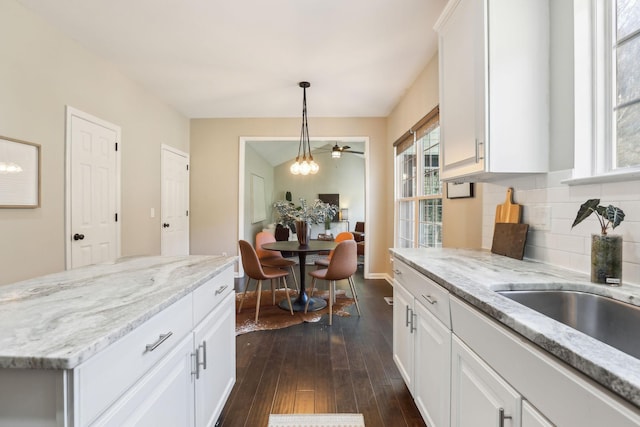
(475,275)
(59,320)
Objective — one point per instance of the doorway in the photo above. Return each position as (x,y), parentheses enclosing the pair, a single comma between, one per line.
(358,207)
(174,215)
(92,190)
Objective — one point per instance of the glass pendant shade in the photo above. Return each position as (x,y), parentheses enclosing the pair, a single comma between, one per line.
(305,167)
(295,168)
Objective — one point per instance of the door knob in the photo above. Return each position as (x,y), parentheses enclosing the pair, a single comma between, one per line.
(165,225)
(78,236)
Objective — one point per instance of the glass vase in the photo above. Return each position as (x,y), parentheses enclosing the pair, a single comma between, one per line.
(606,259)
(303,232)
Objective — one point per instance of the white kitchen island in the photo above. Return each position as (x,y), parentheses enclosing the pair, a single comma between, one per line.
(142,341)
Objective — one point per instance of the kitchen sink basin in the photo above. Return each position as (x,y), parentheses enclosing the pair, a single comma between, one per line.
(613,322)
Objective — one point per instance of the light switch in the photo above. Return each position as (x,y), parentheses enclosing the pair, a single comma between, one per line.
(153,213)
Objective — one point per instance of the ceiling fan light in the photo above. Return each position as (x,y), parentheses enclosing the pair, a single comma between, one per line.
(335,154)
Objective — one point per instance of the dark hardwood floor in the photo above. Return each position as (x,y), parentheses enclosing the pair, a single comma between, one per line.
(316,368)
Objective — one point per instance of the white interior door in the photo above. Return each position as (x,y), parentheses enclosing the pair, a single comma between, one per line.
(175,202)
(93,190)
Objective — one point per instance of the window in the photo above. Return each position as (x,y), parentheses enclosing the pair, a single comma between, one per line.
(607,89)
(626,110)
(418,186)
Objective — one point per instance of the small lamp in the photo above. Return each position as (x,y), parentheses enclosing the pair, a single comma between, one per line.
(344,216)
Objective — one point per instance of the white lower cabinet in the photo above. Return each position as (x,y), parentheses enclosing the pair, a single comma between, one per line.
(532,418)
(422,343)
(190,382)
(479,397)
(216,370)
(162,397)
(432,372)
(403,341)
(464,369)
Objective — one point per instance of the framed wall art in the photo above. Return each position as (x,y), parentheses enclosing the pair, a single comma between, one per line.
(258,201)
(19,174)
(459,190)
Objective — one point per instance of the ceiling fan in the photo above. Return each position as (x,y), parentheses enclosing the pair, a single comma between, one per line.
(336,151)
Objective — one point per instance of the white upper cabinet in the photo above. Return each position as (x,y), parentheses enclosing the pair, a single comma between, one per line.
(494,88)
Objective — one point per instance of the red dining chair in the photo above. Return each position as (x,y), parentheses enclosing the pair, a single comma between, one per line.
(341,237)
(255,271)
(273,259)
(343,264)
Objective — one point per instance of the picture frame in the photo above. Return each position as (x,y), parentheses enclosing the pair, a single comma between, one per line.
(258,200)
(19,174)
(459,190)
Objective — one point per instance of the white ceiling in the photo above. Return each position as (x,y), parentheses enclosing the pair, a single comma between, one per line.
(244,58)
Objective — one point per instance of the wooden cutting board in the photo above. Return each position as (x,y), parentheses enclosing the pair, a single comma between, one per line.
(509,212)
(509,239)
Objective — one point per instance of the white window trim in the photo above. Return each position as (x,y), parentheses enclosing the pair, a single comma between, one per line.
(593,96)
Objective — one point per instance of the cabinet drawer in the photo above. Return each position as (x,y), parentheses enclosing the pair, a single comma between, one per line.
(99,381)
(209,295)
(433,296)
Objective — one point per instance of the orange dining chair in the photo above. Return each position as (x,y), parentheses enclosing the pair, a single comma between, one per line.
(255,271)
(341,237)
(273,258)
(343,264)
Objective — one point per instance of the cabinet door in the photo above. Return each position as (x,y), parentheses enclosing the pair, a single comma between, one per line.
(532,418)
(216,374)
(402,333)
(163,397)
(432,368)
(462,107)
(479,397)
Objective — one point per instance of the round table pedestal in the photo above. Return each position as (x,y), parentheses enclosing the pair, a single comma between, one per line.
(299,303)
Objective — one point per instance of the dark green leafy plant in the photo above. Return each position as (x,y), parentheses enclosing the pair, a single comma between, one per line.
(609,216)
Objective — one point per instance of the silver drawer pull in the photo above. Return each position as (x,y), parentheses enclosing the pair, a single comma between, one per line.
(502,417)
(162,338)
(221,289)
(429,299)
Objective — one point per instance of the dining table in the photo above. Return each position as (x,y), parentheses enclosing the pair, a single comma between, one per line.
(314,246)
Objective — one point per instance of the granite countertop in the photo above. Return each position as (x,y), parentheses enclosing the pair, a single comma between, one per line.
(59,320)
(475,275)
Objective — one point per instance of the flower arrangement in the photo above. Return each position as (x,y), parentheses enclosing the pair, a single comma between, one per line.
(609,216)
(315,213)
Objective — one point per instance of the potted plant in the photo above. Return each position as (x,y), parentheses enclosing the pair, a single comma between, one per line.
(606,250)
(300,218)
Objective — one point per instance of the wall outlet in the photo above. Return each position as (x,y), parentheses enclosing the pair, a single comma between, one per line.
(224,254)
(541,218)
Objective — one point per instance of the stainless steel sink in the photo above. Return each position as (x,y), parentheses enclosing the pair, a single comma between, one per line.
(610,321)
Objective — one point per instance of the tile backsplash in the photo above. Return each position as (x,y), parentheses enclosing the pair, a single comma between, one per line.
(549,207)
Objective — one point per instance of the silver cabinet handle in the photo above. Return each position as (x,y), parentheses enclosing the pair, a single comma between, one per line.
(406,316)
(221,289)
(203,346)
(502,417)
(162,338)
(478,156)
(195,362)
(414,316)
(200,362)
(429,299)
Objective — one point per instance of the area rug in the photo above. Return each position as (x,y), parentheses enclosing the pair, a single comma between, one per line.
(316,420)
(273,317)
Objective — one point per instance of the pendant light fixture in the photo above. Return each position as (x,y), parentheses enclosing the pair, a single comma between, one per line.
(307,165)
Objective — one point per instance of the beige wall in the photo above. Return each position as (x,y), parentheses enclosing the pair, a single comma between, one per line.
(462,218)
(214,177)
(42,71)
